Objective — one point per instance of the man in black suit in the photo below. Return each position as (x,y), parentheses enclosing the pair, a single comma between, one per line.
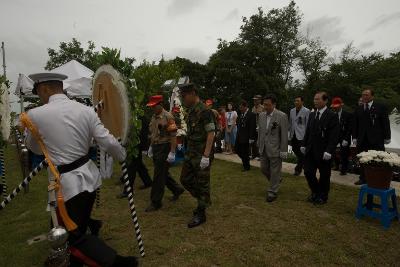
(371,126)
(319,144)
(345,124)
(246,134)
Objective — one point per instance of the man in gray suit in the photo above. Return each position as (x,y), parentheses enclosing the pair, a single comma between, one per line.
(297,128)
(273,144)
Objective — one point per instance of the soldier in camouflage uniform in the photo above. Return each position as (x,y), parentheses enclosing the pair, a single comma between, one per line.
(195,176)
(162,149)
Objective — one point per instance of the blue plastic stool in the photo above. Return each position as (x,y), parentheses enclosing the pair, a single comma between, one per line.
(387,213)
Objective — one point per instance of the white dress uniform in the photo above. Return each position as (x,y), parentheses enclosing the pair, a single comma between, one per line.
(67,128)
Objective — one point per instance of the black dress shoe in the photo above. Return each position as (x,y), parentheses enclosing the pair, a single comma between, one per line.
(245,170)
(311,198)
(343,173)
(121,261)
(198,218)
(320,201)
(152,208)
(175,197)
(359,182)
(271,198)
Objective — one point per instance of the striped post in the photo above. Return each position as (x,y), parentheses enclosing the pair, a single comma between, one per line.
(96,108)
(129,191)
(23,184)
(98,166)
(3,173)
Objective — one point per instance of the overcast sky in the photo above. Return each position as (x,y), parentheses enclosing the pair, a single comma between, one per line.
(185,28)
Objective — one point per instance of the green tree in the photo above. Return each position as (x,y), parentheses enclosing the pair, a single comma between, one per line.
(346,77)
(261,59)
(198,74)
(151,76)
(312,58)
(68,51)
(279,30)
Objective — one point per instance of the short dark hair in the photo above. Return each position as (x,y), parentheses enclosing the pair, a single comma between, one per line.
(244,103)
(270,97)
(55,85)
(323,94)
(300,96)
(369,88)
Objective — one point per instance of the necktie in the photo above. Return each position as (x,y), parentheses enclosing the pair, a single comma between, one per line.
(317,117)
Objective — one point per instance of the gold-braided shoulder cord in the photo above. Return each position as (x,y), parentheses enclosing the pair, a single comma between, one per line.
(68,222)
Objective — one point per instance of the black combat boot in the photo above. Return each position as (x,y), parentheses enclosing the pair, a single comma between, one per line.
(94,226)
(199,217)
(121,261)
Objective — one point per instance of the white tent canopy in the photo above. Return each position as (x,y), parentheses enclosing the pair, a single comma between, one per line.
(24,86)
(79,81)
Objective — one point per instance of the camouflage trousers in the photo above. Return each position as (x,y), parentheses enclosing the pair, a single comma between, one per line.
(197,181)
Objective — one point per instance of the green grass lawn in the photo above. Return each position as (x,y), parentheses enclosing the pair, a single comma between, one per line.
(242,229)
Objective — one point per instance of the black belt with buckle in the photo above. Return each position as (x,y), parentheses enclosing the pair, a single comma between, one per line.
(73,165)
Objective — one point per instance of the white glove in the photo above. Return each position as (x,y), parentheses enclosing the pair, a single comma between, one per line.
(150,152)
(303,150)
(204,163)
(171,157)
(251,141)
(122,155)
(179,146)
(355,142)
(345,143)
(326,156)
(283,155)
(387,141)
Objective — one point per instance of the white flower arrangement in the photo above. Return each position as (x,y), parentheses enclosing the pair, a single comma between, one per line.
(379,158)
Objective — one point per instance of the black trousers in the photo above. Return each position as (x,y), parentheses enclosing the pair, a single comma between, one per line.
(162,177)
(296,144)
(136,165)
(365,146)
(85,246)
(311,165)
(255,152)
(218,141)
(344,158)
(242,149)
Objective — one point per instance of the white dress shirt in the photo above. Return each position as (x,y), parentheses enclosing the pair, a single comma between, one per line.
(321,111)
(340,114)
(67,129)
(369,104)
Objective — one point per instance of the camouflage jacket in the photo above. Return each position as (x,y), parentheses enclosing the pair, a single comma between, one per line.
(200,121)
